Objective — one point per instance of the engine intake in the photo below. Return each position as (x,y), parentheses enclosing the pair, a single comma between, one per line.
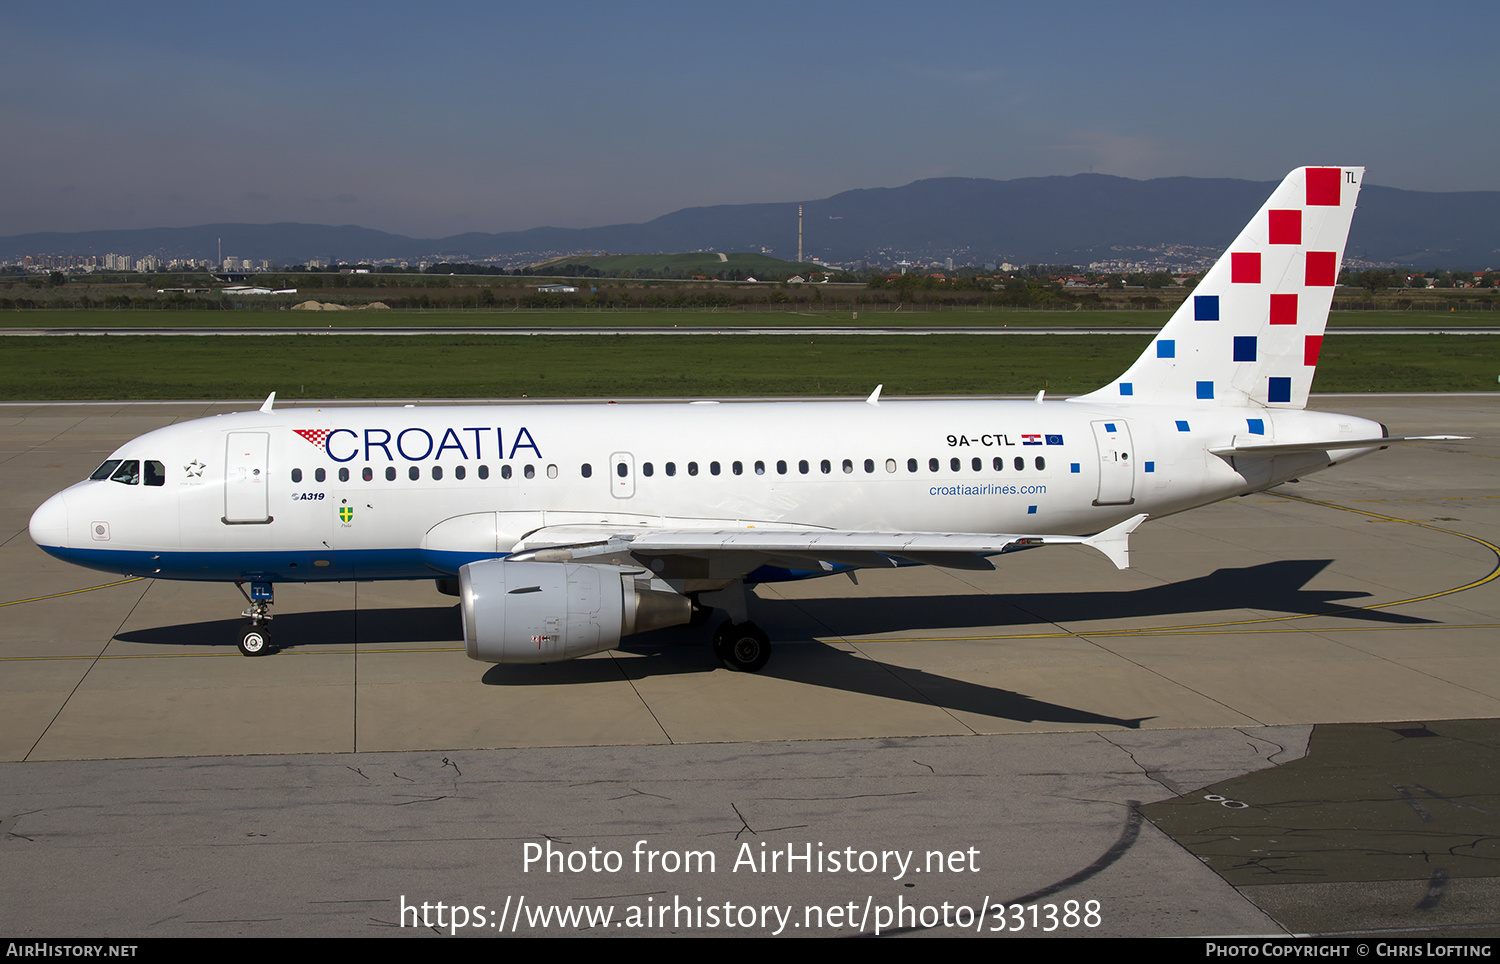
(541,612)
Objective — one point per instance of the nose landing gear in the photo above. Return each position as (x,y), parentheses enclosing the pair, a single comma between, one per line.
(255,639)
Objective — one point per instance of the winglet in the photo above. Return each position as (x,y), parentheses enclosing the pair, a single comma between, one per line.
(1114,542)
(874,398)
(270,400)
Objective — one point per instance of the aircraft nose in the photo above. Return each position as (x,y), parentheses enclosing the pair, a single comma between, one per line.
(49,523)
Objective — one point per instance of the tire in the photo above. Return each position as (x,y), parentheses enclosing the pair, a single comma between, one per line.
(254,641)
(744,648)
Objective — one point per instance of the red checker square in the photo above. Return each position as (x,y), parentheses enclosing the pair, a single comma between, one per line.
(1244,267)
(1286,227)
(1322,269)
(1310,348)
(1283,309)
(1323,185)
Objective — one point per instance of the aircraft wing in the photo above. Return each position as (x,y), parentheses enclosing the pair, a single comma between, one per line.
(731,552)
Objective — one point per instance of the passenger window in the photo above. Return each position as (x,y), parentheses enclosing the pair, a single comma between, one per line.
(530,471)
(390,474)
(911,465)
(825,467)
(978,464)
(322,475)
(484,471)
(621,470)
(760,467)
(738,468)
(1020,463)
(459,472)
(849,467)
(1041,463)
(692,468)
(671,468)
(869,466)
(647,469)
(437,472)
(999,464)
(713,468)
(343,475)
(890,465)
(504,471)
(129,473)
(296,475)
(552,471)
(932,465)
(369,473)
(802,466)
(587,471)
(781,466)
(955,464)
(104,471)
(414,473)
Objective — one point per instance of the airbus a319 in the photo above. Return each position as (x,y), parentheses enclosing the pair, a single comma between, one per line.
(565,527)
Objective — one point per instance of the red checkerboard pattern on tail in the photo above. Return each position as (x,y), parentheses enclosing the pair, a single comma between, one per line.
(1250,333)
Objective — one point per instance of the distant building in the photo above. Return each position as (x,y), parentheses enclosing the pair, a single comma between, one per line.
(557,289)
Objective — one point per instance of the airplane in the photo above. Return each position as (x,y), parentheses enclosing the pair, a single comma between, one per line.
(564,527)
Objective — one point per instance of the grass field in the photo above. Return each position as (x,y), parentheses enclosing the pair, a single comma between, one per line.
(698,318)
(491,366)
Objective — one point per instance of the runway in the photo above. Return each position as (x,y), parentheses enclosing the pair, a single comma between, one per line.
(1281,720)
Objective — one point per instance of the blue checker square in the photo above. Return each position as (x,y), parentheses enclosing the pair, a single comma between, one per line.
(1150,466)
(1075,468)
(1166,348)
(1126,388)
(1257,425)
(1244,348)
(1280,390)
(1205,307)
(1031,510)
(1109,426)
(1182,425)
(1205,389)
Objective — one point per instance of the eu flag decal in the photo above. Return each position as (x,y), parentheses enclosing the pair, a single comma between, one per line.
(1054,440)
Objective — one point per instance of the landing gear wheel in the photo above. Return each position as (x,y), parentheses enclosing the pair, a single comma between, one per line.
(743,648)
(254,641)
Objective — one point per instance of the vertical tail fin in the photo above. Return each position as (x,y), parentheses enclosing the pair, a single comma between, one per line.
(1251,332)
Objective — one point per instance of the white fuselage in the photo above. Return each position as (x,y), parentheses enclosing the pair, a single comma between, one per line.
(417,492)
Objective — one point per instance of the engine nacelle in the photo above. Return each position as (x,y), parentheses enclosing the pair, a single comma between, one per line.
(541,612)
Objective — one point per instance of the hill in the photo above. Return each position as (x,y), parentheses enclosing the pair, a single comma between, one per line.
(1056,220)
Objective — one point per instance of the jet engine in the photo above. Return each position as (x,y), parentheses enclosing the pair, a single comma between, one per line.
(541,612)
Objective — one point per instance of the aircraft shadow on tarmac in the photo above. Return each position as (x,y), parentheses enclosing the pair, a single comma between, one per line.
(1275,587)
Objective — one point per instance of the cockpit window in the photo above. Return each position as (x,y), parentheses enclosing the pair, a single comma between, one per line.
(105,471)
(156,473)
(129,473)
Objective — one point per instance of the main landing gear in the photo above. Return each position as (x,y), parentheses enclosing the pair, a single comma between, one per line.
(742,647)
(740,644)
(255,639)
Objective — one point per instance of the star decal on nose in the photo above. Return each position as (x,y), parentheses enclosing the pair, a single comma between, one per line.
(194,469)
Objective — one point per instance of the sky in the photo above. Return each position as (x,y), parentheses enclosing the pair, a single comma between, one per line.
(438,118)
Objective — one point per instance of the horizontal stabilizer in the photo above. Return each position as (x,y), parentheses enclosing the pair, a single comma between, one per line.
(1270,449)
